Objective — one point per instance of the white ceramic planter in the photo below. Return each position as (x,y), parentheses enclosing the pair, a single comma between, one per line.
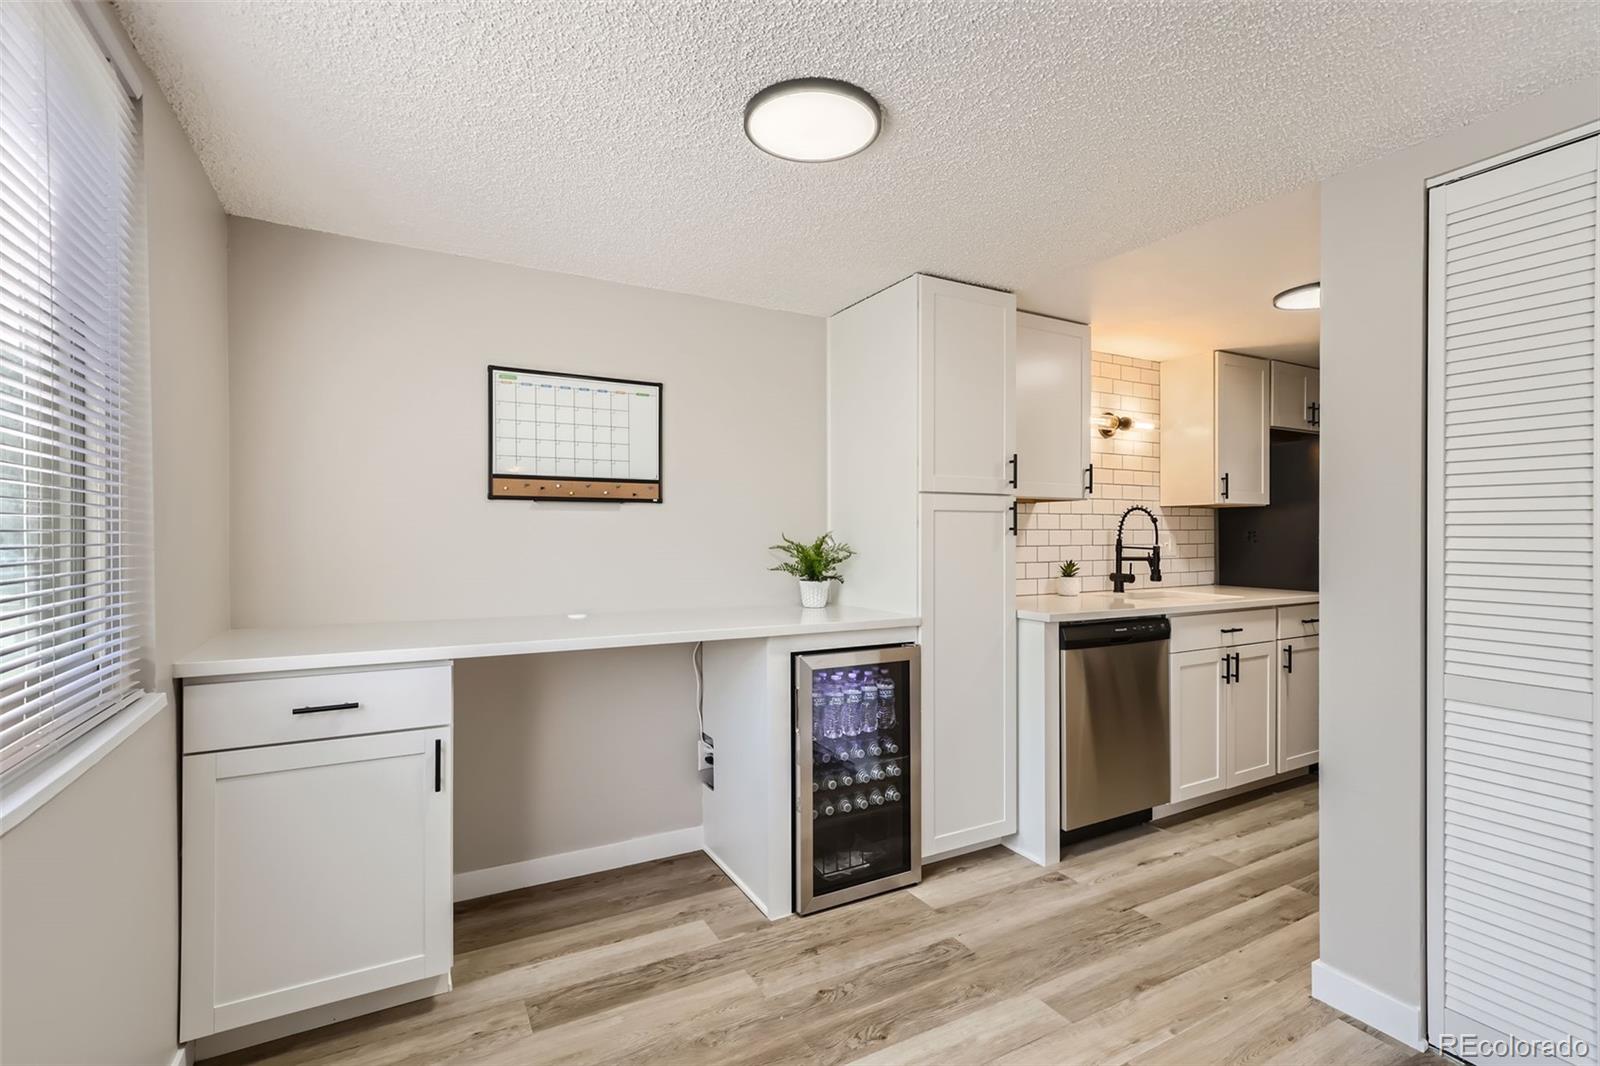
(1069,586)
(814,593)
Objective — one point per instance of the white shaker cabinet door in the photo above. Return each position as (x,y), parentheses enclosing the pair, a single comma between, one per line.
(1298,664)
(1251,728)
(969,691)
(1052,408)
(1296,397)
(313,872)
(967,341)
(1199,759)
(1244,389)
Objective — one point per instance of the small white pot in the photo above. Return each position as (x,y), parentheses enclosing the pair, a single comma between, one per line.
(814,593)
(1069,586)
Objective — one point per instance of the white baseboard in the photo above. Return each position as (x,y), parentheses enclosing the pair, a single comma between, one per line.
(1367,1005)
(773,913)
(471,884)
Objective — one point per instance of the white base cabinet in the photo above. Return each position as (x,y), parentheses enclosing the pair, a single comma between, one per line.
(1199,762)
(969,695)
(1251,727)
(1242,712)
(1298,666)
(315,871)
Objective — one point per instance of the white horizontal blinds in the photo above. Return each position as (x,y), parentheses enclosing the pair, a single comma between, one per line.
(1512,353)
(71,384)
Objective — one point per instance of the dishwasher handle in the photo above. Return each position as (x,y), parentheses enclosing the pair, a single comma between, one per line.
(1114,631)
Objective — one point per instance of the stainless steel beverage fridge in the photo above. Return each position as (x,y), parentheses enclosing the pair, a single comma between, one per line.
(858,809)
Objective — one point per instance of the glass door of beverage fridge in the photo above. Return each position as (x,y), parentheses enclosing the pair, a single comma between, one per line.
(858,805)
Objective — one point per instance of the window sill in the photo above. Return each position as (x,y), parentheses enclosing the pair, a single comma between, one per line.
(38,788)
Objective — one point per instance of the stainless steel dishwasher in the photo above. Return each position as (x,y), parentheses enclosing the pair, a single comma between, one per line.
(1115,751)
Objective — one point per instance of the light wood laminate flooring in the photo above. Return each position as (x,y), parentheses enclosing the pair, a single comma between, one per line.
(1188,941)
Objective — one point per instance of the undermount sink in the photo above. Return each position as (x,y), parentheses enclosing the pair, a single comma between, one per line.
(1180,595)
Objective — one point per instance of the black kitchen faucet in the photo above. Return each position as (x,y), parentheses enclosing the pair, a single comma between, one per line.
(1152,554)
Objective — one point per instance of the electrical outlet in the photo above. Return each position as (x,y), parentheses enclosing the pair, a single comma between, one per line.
(706,762)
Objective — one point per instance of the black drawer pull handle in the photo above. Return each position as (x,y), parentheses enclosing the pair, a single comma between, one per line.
(1089,490)
(325,707)
(438,765)
(1288,658)
(1234,629)
(1014,466)
(1308,621)
(1224,486)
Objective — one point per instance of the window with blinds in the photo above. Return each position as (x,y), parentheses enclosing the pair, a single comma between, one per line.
(72,386)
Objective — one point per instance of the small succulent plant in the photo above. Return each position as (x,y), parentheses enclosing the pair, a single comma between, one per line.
(1069,568)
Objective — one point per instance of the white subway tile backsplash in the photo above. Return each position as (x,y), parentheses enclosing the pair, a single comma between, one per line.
(1126,472)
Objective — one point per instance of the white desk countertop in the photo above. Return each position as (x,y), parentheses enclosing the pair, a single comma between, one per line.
(262,651)
(1192,599)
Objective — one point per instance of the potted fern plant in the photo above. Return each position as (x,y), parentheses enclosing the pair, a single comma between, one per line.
(1068,583)
(816,564)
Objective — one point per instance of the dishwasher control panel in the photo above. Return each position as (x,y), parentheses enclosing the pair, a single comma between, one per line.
(1114,631)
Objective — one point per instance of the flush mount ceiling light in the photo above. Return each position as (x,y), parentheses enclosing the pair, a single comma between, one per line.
(1110,424)
(1299,298)
(812,120)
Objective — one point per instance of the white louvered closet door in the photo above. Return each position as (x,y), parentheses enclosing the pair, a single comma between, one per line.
(1511,635)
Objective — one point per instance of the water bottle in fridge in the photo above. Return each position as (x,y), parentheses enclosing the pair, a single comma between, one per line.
(850,723)
(886,715)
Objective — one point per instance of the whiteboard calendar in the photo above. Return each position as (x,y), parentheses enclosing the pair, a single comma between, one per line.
(556,436)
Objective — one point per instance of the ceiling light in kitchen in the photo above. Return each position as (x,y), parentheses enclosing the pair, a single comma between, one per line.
(1299,298)
(812,120)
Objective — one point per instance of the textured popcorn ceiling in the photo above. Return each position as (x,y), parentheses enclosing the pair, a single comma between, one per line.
(1023,138)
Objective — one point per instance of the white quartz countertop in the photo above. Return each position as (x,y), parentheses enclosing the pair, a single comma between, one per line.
(260,651)
(1136,601)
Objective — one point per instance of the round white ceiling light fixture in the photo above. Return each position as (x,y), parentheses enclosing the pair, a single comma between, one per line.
(812,120)
(1300,298)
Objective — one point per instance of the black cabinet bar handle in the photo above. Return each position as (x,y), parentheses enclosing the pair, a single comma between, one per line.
(1013,518)
(1224,486)
(1236,666)
(1227,669)
(1288,658)
(325,707)
(1308,621)
(438,765)
(1233,629)
(1089,490)
(1014,467)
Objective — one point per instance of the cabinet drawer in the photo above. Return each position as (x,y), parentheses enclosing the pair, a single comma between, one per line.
(1225,629)
(280,709)
(1298,621)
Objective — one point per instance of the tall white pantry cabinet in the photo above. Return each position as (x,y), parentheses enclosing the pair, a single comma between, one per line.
(922,480)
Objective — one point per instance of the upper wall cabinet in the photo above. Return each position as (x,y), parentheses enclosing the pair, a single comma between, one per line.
(1052,408)
(967,338)
(1214,431)
(1296,397)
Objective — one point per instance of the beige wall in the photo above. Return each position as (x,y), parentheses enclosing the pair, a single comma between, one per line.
(89,882)
(1373,504)
(1127,471)
(360,438)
